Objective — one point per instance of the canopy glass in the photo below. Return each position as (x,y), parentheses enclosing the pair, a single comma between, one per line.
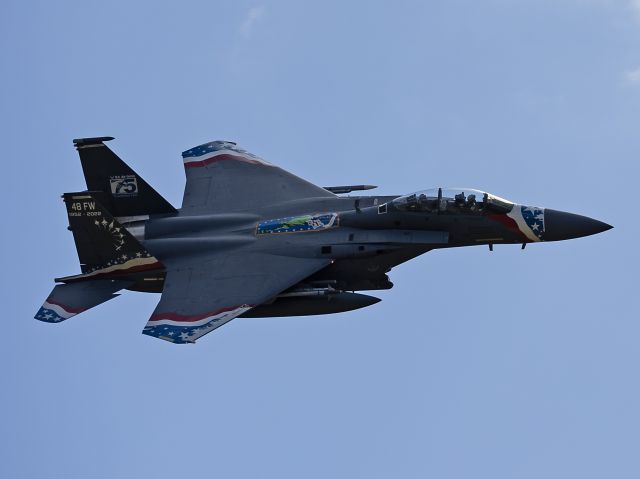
(452,200)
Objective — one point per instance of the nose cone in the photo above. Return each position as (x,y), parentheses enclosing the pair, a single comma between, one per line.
(560,225)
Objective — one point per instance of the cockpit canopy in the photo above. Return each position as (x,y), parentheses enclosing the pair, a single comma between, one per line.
(451,200)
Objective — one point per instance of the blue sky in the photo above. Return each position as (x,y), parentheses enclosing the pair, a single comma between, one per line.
(477,364)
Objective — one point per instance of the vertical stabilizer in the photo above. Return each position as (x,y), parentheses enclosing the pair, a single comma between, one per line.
(105,247)
(126,193)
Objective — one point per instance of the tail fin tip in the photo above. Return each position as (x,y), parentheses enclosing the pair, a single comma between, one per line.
(96,140)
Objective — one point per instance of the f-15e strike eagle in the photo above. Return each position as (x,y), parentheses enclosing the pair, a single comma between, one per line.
(253,240)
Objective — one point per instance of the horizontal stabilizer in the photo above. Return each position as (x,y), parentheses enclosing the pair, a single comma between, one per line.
(67,300)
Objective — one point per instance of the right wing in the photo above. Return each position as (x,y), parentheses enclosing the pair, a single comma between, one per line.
(224,178)
(202,296)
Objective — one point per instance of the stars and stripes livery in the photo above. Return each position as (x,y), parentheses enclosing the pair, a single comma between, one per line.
(67,300)
(178,328)
(232,248)
(52,312)
(124,263)
(215,151)
(530,221)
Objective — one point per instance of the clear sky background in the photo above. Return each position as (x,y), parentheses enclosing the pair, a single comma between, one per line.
(508,364)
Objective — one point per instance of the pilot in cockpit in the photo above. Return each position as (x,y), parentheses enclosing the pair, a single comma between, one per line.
(451,200)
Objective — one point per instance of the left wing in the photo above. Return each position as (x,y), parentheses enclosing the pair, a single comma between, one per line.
(221,177)
(202,296)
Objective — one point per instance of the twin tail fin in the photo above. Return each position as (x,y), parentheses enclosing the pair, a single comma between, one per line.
(126,193)
(105,248)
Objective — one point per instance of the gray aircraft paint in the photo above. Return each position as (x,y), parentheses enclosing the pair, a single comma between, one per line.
(254,240)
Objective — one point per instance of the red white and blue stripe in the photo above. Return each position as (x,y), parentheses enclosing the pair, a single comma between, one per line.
(216,151)
(178,328)
(55,312)
(530,221)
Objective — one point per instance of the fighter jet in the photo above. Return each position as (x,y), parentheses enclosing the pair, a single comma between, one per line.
(253,240)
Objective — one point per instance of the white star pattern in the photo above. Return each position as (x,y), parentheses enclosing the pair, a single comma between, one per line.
(533,221)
